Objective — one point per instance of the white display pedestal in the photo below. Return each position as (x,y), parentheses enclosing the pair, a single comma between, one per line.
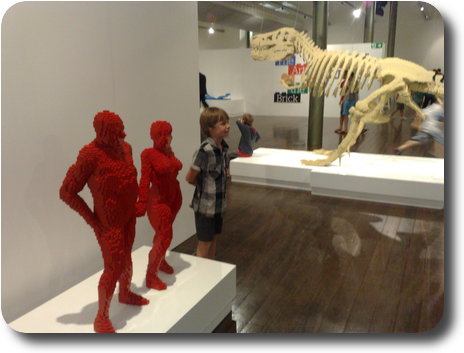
(412,181)
(199,296)
(233,107)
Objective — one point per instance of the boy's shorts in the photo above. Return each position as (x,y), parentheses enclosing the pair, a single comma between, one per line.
(207,227)
(422,137)
(347,104)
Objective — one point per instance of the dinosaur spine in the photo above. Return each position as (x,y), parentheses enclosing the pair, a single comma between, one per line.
(320,73)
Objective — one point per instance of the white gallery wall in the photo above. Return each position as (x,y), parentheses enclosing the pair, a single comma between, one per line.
(418,40)
(62,62)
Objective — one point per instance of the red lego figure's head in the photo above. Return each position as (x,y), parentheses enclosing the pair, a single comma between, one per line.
(160,133)
(109,129)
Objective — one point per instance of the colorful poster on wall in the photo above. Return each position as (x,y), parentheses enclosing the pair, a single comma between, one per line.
(292,77)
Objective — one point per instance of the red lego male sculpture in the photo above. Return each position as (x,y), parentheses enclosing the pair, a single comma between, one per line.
(162,200)
(106,166)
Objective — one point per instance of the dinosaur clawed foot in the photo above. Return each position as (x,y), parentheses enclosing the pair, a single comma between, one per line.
(330,156)
(322,152)
(316,162)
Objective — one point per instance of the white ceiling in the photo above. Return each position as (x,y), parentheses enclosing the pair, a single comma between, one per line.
(264,16)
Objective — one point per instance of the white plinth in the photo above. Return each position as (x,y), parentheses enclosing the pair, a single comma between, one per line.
(273,167)
(413,181)
(198,297)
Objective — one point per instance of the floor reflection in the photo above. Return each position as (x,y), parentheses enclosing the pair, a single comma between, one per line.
(318,264)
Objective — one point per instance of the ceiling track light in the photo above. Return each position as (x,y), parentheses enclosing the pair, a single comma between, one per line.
(212,26)
(423,10)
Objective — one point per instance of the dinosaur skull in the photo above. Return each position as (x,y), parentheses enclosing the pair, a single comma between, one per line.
(274,46)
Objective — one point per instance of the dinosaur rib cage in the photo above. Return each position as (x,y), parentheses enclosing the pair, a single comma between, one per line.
(324,67)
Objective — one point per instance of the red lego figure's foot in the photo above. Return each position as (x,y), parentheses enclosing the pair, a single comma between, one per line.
(165,267)
(103,325)
(132,299)
(154,282)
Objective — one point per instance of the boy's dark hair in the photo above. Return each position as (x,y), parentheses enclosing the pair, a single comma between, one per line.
(247,119)
(210,116)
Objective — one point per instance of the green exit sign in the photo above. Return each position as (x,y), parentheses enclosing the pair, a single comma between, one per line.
(377,45)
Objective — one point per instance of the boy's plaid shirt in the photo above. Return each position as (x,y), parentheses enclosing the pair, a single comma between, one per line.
(209,198)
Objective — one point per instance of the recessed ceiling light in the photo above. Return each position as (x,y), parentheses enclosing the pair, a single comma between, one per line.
(357,13)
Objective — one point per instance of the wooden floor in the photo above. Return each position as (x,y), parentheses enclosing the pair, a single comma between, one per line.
(324,265)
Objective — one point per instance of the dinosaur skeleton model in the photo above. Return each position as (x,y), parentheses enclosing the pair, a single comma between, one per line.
(397,76)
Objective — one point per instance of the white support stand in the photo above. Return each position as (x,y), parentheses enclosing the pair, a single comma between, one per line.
(199,296)
(412,181)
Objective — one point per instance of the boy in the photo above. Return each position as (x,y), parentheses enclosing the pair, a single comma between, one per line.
(209,172)
(248,139)
(431,129)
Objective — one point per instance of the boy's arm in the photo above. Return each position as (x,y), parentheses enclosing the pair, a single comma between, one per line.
(244,129)
(241,126)
(200,159)
(191,176)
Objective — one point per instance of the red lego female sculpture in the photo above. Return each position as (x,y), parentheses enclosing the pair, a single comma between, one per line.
(106,166)
(162,200)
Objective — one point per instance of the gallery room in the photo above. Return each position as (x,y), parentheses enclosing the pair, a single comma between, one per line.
(223,167)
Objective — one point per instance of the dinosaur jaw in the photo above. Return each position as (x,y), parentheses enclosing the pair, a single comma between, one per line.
(272,52)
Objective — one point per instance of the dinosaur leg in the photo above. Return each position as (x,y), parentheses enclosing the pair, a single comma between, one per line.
(354,130)
(365,111)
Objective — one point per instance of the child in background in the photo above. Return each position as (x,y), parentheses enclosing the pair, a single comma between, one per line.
(208,173)
(340,103)
(347,101)
(248,139)
(431,129)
